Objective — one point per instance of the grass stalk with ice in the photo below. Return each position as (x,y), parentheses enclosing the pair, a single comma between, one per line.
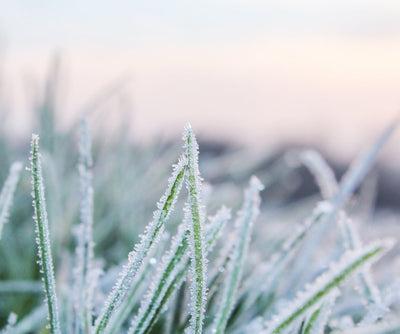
(43,236)
(84,272)
(7,192)
(244,223)
(171,271)
(307,301)
(147,241)
(194,217)
(319,318)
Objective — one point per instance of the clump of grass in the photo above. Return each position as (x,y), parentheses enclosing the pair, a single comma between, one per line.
(186,283)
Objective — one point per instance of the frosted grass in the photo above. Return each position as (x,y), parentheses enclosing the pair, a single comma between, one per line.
(246,217)
(147,241)
(194,217)
(43,237)
(325,285)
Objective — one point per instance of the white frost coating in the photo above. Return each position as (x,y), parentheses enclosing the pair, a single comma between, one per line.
(7,192)
(194,218)
(147,241)
(85,275)
(243,226)
(317,324)
(43,236)
(311,298)
(385,327)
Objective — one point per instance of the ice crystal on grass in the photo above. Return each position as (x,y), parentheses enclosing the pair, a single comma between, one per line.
(319,318)
(7,192)
(311,298)
(147,241)
(194,217)
(43,236)
(246,217)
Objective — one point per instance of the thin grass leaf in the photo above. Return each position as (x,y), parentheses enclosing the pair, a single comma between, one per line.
(7,193)
(147,241)
(194,217)
(43,236)
(319,168)
(361,166)
(324,286)
(319,318)
(84,272)
(244,223)
(171,272)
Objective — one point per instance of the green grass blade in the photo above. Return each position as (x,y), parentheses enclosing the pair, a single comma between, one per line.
(324,286)
(194,217)
(245,220)
(43,236)
(7,193)
(319,318)
(148,240)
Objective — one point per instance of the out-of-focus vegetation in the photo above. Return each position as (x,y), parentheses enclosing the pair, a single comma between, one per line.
(252,285)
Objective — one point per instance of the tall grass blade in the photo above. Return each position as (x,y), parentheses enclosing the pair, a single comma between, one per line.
(84,272)
(147,241)
(361,166)
(43,236)
(244,223)
(194,217)
(7,193)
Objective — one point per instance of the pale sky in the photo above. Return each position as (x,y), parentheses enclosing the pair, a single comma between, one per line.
(252,71)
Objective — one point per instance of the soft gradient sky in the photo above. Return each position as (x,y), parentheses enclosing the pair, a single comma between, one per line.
(252,71)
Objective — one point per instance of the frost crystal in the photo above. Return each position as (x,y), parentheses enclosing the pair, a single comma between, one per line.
(7,192)
(147,241)
(43,236)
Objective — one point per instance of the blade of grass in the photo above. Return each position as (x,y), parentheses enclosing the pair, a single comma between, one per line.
(43,236)
(84,273)
(194,217)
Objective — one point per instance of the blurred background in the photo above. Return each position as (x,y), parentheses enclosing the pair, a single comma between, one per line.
(256,79)
(250,72)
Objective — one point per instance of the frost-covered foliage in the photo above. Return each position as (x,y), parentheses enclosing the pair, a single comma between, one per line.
(281,267)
